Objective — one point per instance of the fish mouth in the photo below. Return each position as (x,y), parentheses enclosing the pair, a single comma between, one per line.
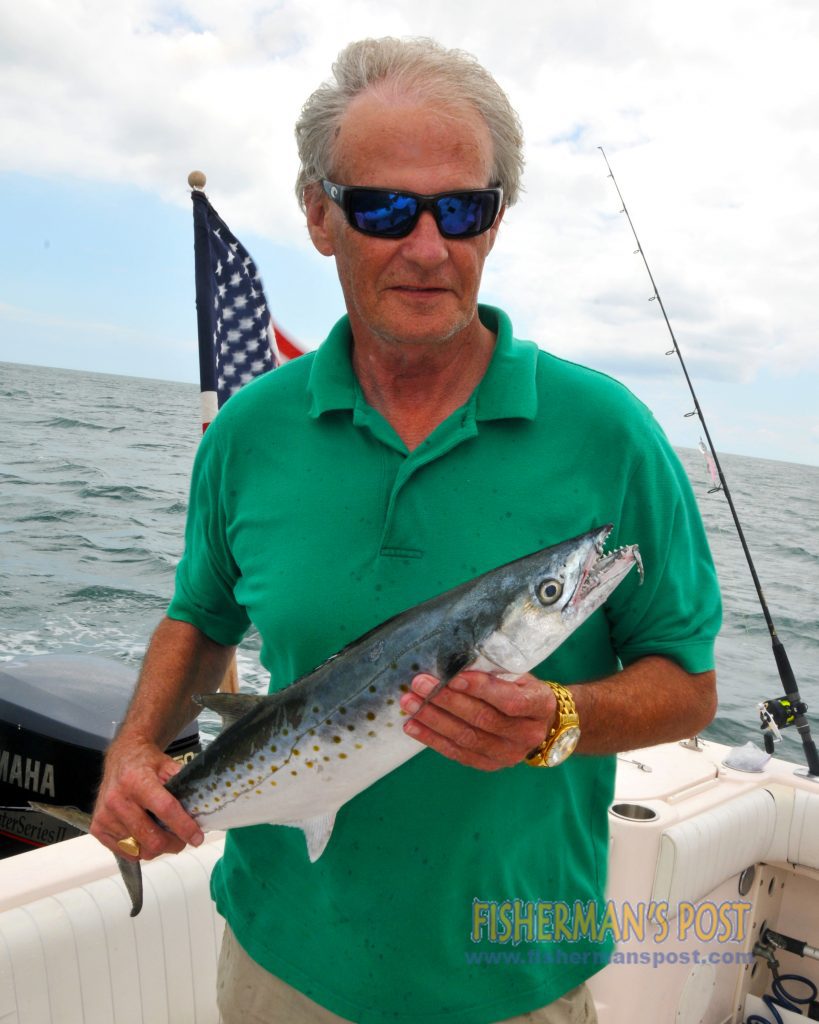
(603,570)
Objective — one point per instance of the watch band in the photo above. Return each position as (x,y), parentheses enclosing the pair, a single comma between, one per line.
(564,735)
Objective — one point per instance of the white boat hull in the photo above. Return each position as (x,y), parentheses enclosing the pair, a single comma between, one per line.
(71,954)
(710,824)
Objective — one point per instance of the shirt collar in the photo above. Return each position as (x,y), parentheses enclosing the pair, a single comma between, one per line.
(507,390)
(332,383)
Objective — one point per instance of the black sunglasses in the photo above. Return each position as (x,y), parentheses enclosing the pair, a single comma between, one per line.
(387,213)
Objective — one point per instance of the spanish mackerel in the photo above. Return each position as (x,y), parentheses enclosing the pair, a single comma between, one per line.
(296,756)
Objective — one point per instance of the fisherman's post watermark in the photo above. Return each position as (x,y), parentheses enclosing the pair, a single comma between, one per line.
(555,932)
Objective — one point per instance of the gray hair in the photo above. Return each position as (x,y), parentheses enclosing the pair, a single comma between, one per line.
(422,68)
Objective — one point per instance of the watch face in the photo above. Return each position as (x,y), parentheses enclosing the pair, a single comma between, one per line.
(563,745)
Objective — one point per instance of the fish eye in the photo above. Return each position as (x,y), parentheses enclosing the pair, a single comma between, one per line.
(549,591)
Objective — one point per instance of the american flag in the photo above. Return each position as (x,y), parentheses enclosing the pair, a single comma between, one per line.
(237,337)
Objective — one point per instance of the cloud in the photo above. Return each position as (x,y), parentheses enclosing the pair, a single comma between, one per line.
(706,111)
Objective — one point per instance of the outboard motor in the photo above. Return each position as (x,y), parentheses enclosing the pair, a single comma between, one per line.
(58,713)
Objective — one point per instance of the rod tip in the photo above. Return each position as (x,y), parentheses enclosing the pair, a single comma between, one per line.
(197,179)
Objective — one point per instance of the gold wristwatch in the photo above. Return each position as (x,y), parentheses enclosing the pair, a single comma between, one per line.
(564,735)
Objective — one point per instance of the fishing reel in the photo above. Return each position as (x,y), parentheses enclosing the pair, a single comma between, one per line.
(776,714)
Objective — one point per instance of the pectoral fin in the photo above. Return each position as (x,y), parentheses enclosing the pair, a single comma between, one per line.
(446,673)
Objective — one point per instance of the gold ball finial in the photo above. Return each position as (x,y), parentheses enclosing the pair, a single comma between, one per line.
(196,179)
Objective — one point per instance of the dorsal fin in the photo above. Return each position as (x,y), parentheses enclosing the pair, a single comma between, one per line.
(229,706)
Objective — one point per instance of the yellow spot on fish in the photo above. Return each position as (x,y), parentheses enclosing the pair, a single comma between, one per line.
(297,752)
(259,792)
(273,769)
(317,749)
(390,700)
(404,688)
(371,733)
(372,689)
(342,756)
(272,782)
(294,772)
(336,739)
(371,716)
(351,728)
(228,784)
(273,749)
(359,746)
(326,758)
(309,763)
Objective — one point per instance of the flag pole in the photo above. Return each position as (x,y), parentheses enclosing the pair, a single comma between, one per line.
(204,321)
(204,308)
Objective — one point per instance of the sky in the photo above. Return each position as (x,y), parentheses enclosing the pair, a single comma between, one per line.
(708,113)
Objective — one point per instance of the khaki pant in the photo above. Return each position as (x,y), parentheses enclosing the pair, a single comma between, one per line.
(248,994)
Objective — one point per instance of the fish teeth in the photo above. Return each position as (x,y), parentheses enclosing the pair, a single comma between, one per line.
(591,579)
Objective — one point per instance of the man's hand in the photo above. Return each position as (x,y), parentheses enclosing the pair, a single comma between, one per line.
(180,662)
(484,722)
(133,786)
(481,720)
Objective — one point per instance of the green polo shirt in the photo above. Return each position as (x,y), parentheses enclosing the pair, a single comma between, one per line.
(311,520)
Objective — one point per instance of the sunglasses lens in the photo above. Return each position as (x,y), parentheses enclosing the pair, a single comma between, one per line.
(465,214)
(388,214)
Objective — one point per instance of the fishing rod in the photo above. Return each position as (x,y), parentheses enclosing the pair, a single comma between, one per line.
(780,712)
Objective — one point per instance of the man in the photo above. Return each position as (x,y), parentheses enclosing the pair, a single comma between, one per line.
(422,444)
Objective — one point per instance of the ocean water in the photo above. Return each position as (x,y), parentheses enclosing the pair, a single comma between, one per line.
(93,489)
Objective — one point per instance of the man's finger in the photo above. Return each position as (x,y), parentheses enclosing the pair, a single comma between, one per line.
(475,725)
(136,803)
(443,745)
(176,819)
(526,697)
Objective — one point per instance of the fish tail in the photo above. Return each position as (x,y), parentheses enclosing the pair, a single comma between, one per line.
(130,870)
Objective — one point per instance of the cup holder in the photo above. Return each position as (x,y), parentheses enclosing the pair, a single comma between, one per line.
(633,812)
